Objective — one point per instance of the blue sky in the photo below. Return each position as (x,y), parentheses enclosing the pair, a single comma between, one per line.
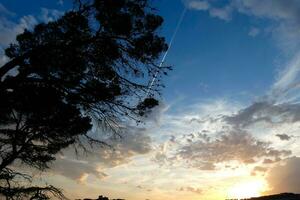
(212,57)
(229,121)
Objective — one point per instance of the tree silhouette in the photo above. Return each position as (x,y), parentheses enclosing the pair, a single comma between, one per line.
(93,64)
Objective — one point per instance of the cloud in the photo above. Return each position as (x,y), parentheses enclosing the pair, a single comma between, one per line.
(284,16)
(156,114)
(270,161)
(197,5)
(253,32)
(3,58)
(135,142)
(223,134)
(259,169)
(60,2)
(288,78)
(80,166)
(283,136)
(10,29)
(275,9)
(75,169)
(285,178)
(4,11)
(191,189)
(48,15)
(221,13)
(204,153)
(267,112)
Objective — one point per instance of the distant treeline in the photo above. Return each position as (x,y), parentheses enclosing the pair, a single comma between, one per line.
(100,198)
(282,196)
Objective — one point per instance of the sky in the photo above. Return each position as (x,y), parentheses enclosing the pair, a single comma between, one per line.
(228,124)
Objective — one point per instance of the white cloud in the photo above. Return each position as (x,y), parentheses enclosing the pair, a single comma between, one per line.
(10,29)
(198,5)
(50,14)
(288,79)
(275,9)
(221,13)
(253,32)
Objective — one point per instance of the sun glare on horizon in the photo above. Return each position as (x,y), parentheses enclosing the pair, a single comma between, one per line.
(247,189)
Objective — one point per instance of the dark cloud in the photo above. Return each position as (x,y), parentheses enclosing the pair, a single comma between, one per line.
(270,161)
(265,112)
(284,136)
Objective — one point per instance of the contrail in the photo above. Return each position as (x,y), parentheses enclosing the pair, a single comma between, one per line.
(167,51)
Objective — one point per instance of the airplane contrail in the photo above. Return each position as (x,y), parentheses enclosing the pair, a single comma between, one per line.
(169,46)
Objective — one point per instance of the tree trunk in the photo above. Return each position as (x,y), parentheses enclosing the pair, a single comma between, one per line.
(9,66)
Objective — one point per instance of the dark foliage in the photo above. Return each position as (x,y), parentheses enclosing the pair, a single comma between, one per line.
(94,63)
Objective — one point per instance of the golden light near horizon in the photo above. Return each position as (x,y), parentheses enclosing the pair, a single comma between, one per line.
(252,188)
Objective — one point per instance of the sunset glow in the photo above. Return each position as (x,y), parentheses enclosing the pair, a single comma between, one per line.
(249,189)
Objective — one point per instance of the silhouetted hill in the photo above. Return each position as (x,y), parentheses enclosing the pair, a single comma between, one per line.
(100,198)
(282,196)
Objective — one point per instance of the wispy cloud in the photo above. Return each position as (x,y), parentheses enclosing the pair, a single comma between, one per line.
(254,31)
(198,5)
(191,189)
(284,15)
